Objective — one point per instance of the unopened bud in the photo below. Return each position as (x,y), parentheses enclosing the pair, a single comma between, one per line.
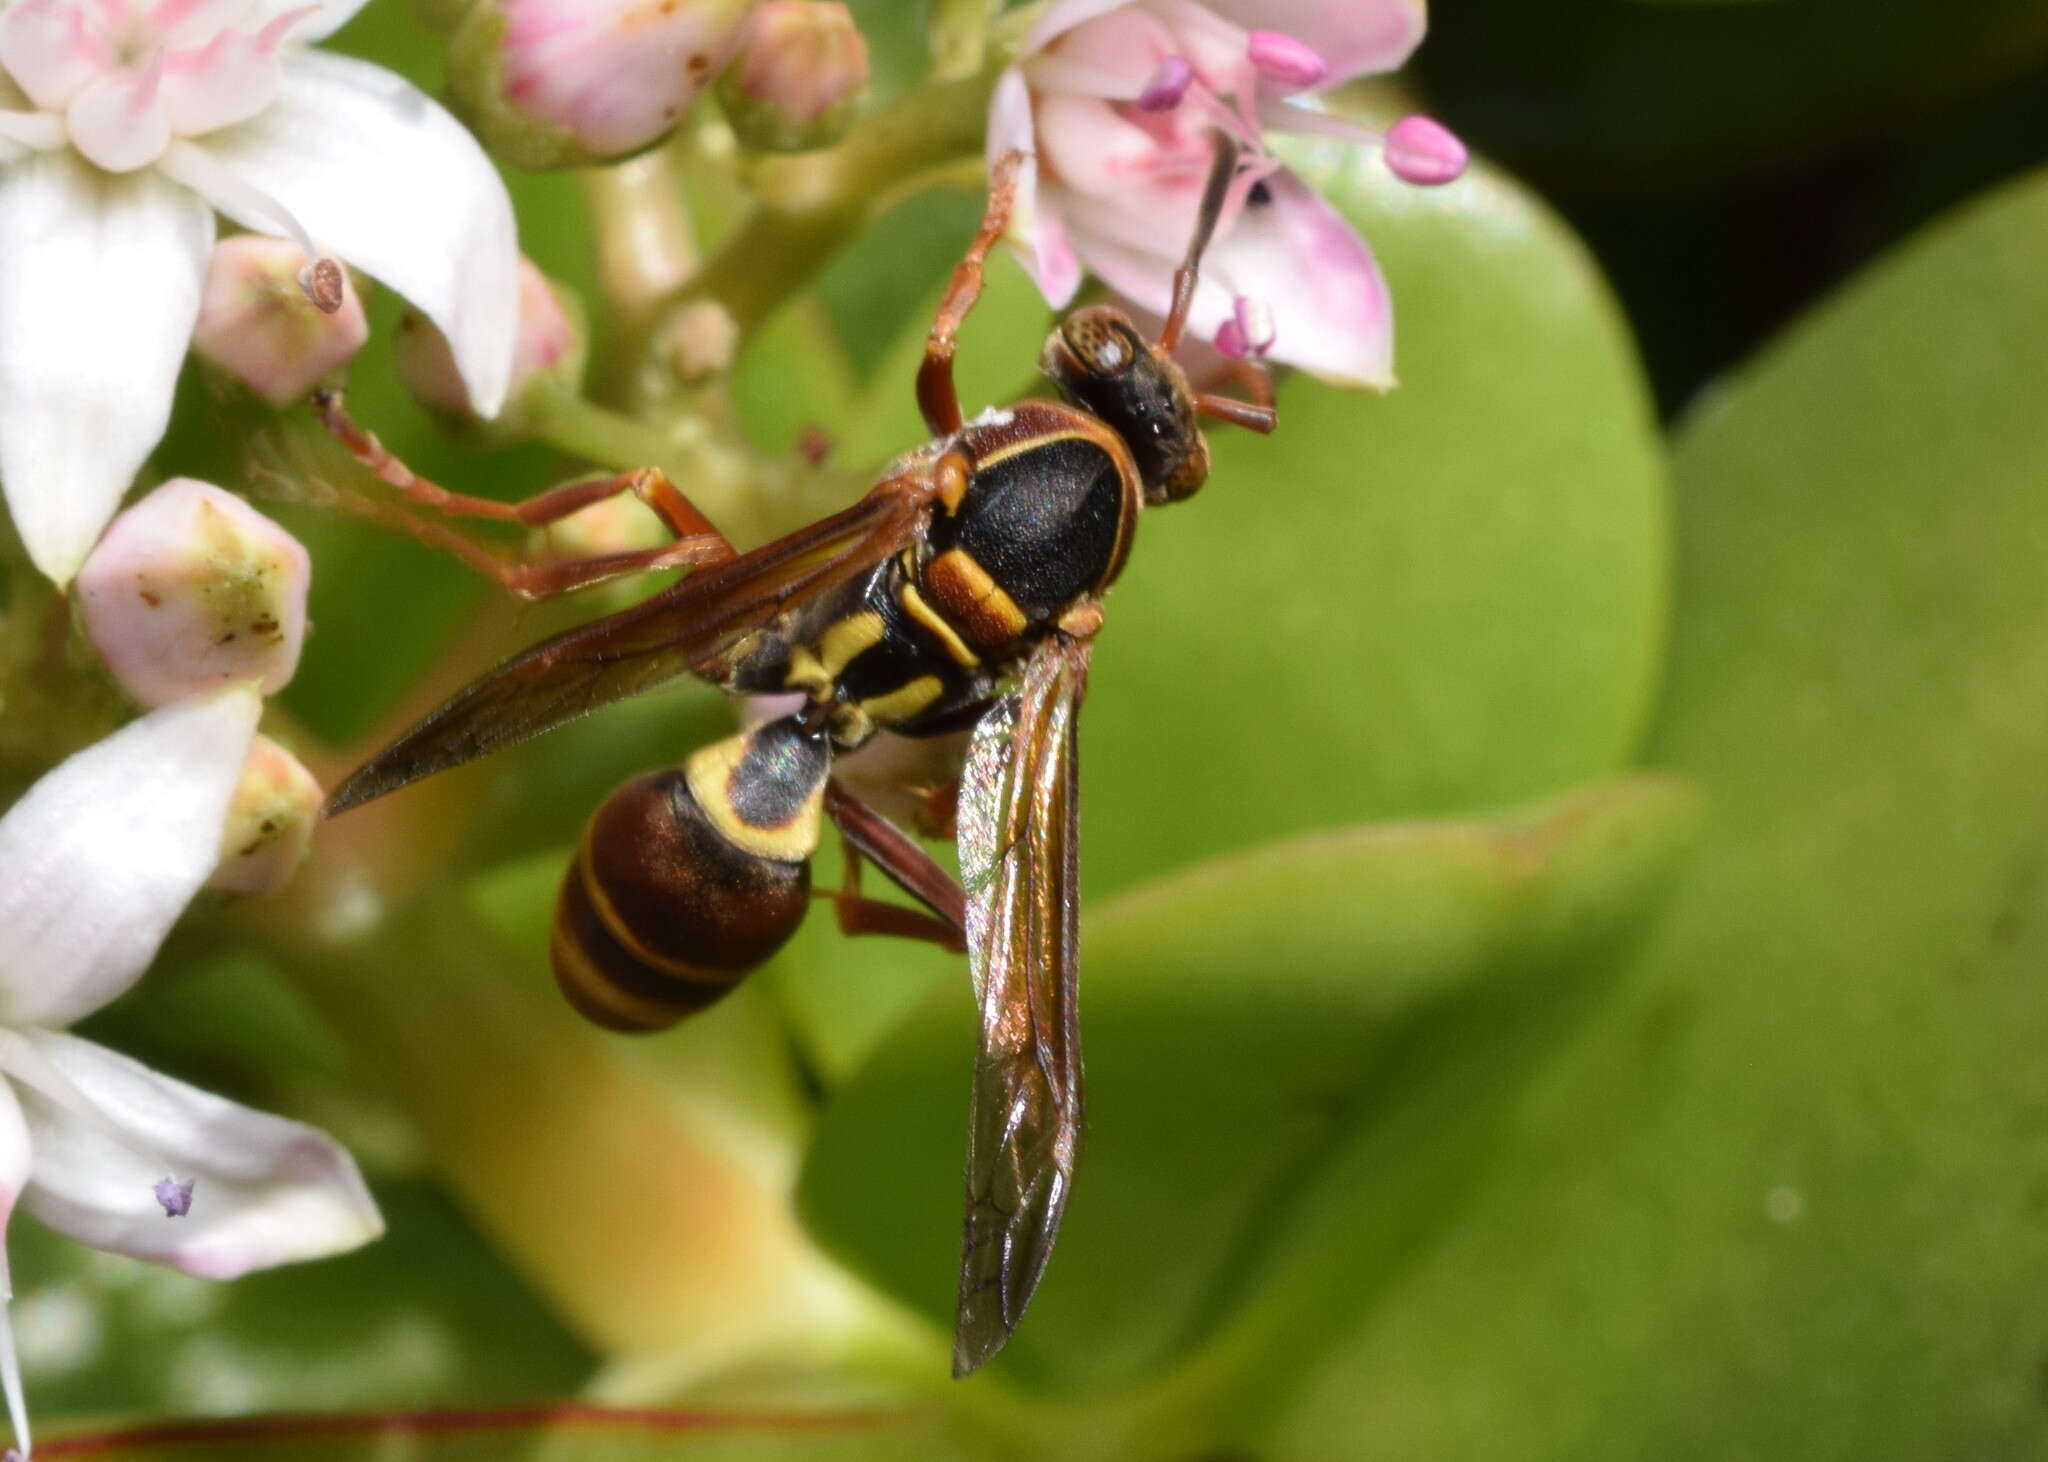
(567,83)
(617,524)
(702,340)
(798,80)
(269,824)
(258,323)
(547,357)
(192,588)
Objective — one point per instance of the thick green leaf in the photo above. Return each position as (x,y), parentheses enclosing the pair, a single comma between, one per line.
(564,1433)
(1787,1200)
(1446,599)
(1244,1019)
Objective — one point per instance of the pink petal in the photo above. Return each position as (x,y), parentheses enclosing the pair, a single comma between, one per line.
(119,121)
(1297,256)
(1356,37)
(228,80)
(47,48)
(1062,16)
(1048,257)
(1119,53)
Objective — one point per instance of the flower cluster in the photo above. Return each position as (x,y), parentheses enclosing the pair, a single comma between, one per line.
(197,604)
(124,126)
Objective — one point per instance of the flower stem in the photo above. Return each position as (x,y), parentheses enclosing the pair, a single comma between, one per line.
(808,206)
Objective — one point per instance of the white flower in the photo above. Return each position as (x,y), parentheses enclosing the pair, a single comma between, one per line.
(123,125)
(96,863)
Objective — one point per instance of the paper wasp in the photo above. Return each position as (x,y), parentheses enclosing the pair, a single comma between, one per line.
(962,591)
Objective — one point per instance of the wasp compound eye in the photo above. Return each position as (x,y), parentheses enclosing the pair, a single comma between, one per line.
(1104,345)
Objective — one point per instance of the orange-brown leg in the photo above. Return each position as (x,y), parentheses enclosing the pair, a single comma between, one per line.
(697,543)
(936,396)
(866,834)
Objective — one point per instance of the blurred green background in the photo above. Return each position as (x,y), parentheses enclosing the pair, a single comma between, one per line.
(1564,843)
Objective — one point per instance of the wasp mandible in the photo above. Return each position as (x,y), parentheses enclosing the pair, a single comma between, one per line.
(963,591)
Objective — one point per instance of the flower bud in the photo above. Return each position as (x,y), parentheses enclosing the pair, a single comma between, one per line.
(547,357)
(269,824)
(702,340)
(257,324)
(799,78)
(192,588)
(567,83)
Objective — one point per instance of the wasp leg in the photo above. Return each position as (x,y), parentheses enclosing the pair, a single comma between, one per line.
(936,396)
(697,541)
(869,835)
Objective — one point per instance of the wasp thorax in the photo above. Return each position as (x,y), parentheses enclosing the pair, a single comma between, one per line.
(1102,364)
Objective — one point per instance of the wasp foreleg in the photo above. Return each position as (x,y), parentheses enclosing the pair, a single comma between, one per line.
(937,397)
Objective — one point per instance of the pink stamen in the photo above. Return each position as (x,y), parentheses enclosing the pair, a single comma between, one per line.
(1168,85)
(1248,331)
(1424,152)
(1279,57)
(175,1196)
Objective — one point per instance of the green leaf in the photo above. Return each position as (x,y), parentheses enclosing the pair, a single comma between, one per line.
(561,1433)
(1445,599)
(1787,1201)
(1246,1020)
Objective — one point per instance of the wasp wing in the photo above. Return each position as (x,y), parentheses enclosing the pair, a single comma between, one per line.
(692,627)
(1020,861)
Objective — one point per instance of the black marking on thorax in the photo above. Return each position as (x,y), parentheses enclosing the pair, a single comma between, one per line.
(1043,522)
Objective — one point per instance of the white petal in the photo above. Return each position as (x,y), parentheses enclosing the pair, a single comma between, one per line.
(266,1191)
(14,1166)
(100,857)
(97,298)
(381,174)
(329,17)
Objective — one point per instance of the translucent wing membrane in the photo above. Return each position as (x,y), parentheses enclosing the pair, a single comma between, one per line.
(1019,859)
(690,628)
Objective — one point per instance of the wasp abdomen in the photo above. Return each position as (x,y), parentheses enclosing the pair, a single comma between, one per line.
(688,878)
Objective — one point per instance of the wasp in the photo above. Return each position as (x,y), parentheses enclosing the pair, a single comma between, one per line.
(963,592)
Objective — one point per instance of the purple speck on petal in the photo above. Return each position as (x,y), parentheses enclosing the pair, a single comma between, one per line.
(1280,57)
(175,1196)
(1168,85)
(1424,152)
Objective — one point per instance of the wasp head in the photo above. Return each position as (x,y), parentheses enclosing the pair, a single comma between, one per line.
(1103,365)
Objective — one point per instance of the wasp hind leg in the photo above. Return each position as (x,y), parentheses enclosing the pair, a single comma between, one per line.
(869,836)
(937,397)
(697,542)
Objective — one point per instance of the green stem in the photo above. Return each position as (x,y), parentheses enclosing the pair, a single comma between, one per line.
(810,205)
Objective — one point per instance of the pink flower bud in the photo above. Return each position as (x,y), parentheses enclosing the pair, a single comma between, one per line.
(192,588)
(618,524)
(1424,152)
(702,340)
(549,351)
(799,78)
(551,83)
(270,822)
(257,323)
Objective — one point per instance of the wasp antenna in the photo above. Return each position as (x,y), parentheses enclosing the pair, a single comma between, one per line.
(1220,174)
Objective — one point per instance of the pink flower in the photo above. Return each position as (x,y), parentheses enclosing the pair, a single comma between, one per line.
(1116,101)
